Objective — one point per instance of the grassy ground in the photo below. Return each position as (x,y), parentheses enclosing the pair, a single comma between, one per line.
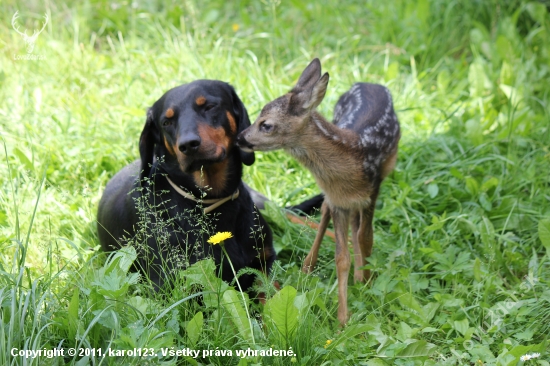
(462,231)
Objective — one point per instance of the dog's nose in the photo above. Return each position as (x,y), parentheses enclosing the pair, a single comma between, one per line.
(189,145)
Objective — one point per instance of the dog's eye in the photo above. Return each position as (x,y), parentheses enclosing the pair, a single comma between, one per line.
(209,107)
(266,127)
(167,122)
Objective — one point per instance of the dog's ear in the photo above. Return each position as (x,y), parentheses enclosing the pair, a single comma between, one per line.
(243,122)
(149,137)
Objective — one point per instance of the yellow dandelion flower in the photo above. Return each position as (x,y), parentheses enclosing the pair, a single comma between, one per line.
(235,27)
(220,237)
(329,341)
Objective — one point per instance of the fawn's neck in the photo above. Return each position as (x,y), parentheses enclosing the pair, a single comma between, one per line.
(320,144)
(332,156)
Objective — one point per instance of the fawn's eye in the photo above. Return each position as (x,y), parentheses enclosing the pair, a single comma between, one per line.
(266,127)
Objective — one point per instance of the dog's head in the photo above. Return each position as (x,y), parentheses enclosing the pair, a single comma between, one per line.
(194,125)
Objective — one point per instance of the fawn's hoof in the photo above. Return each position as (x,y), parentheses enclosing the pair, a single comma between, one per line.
(343,317)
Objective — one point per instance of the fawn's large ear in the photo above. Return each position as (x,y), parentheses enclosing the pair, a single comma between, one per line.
(309,76)
(149,137)
(311,97)
(243,122)
(317,93)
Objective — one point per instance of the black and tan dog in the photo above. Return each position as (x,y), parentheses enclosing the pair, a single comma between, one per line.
(188,154)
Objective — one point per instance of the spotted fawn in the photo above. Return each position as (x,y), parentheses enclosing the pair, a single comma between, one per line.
(349,159)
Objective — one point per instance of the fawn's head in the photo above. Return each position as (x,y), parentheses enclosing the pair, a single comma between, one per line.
(280,121)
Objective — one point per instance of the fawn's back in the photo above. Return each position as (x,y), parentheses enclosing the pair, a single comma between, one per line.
(367,110)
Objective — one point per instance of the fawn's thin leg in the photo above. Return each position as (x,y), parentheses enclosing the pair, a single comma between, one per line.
(311,259)
(365,239)
(358,236)
(340,219)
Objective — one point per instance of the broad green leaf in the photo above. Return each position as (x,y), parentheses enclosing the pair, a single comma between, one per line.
(121,259)
(408,301)
(461,325)
(472,186)
(512,94)
(418,349)
(429,310)
(433,190)
(489,183)
(140,303)
(194,328)
(301,302)
(404,332)
(232,303)
(485,202)
(282,313)
(115,283)
(351,332)
(203,273)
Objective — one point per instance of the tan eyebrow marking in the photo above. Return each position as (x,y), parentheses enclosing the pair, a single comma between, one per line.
(169,113)
(200,100)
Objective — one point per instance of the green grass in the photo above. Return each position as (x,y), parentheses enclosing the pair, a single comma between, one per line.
(462,230)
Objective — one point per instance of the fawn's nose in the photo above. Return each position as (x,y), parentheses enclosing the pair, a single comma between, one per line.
(189,144)
(242,142)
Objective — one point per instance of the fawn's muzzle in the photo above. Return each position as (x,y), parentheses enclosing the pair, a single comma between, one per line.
(243,143)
